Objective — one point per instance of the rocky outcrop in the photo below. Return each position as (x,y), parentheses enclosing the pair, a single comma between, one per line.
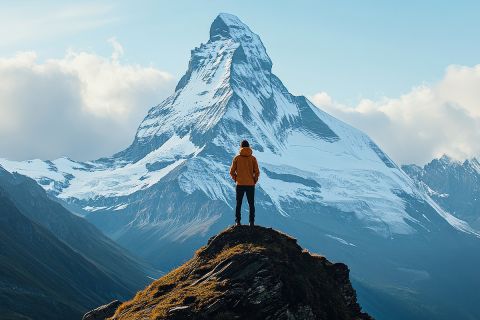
(102,312)
(249,273)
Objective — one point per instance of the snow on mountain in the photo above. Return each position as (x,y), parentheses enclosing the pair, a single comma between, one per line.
(228,94)
(454,185)
(70,179)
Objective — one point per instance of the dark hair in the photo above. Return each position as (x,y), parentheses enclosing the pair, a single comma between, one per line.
(245,144)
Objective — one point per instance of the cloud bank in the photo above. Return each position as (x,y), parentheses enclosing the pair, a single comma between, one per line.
(427,122)
(83,105)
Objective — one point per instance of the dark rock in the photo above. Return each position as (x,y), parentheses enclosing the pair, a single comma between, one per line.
(102,312)
(250,273)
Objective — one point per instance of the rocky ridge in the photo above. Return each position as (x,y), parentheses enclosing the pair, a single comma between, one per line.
(249,273)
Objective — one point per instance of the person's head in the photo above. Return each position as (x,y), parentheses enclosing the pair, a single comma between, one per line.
(244,144)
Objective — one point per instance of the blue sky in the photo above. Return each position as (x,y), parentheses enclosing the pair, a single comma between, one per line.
(351,49)
(405,72)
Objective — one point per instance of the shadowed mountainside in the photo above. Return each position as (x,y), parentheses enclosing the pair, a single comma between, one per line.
(34,203)
(41,277)
(53,264)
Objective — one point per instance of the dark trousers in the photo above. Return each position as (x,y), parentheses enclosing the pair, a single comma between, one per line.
(250,191)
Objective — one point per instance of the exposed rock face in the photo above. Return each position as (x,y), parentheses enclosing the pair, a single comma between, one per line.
(41,276)
(249,273)
(102,312)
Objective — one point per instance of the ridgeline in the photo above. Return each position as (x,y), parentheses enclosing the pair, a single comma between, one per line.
(249,273)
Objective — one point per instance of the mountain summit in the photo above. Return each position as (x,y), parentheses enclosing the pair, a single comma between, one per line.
(228,92)
(249,273)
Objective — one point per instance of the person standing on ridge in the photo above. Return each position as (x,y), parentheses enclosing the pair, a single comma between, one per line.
(244,171)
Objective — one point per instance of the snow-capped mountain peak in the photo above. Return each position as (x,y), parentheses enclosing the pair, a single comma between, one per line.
(232,57)
(227,26)
(228,85)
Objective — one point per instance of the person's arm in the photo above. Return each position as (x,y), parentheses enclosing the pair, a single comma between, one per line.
(233,169)
(256,171)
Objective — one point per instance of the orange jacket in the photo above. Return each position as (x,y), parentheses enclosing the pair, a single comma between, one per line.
(244,169)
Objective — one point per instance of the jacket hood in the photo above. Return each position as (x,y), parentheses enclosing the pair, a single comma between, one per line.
(246,152)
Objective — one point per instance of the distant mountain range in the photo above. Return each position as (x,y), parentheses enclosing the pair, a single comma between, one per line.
(55,265)
(455,185)
(323,181)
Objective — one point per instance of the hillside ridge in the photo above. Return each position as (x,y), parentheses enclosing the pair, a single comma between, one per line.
(249,273)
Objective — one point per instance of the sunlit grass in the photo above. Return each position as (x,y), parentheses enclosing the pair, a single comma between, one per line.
(177,288)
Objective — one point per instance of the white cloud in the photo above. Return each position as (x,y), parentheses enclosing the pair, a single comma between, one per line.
(83,105)
(322,99)
(427,122)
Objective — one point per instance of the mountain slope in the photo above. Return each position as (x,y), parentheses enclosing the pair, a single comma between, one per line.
(43,278)
(249,273)
(324,182)
(452,184)
(77,233)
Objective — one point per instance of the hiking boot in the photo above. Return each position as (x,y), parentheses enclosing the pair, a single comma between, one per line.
(237,223)
(252,223)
